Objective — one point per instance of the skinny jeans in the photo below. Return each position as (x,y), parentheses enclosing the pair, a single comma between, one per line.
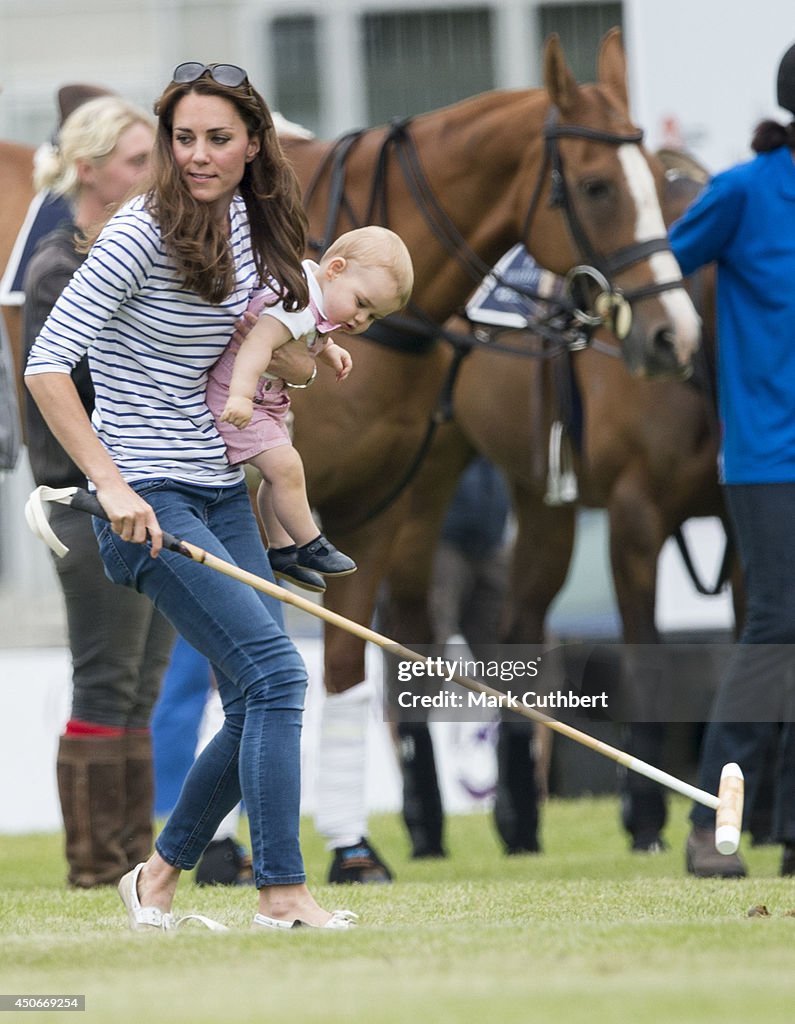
(261,677)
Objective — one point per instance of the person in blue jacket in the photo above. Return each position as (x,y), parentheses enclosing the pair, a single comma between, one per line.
(744,221)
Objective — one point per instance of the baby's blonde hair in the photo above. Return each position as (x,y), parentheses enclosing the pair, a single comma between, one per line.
(91,132)
(375,246)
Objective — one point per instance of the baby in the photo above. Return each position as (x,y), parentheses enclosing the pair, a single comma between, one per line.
(365,275)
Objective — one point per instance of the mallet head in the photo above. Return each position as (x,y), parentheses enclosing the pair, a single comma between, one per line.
(729,815)
(36,515)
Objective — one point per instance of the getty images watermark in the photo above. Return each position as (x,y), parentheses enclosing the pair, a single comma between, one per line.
(461,687)
(653,683)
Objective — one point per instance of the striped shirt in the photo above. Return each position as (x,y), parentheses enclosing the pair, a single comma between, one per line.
(150,345)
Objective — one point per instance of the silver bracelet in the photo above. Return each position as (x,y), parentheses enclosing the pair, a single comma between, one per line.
(308,382)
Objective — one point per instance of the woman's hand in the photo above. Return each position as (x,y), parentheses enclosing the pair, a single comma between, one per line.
(292,362)
(130,516)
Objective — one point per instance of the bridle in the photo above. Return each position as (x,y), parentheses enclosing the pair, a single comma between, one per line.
(566,327)
(611,304)
(614,302)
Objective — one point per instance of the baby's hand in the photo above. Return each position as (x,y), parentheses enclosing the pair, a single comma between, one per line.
(238,411)
(341,361)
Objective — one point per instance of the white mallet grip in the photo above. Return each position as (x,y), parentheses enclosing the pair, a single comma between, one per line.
(729,815)
(36,515)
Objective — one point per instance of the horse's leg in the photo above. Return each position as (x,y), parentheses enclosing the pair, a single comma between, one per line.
(542,553)
(637,533)
(423,571)
(341,815)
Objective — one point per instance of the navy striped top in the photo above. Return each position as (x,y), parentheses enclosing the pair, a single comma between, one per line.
(150,345)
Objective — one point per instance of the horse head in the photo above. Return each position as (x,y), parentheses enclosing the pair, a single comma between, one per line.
(598,177)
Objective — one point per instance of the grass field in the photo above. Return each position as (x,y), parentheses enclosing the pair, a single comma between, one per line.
(585,931)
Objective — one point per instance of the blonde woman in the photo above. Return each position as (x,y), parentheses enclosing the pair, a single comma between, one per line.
(119,644)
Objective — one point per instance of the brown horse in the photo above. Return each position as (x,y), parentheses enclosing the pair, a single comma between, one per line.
(462,185)
(561,169)
(648,456)
(16,192)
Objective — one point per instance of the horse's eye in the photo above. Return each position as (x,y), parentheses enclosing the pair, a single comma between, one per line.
(595,188)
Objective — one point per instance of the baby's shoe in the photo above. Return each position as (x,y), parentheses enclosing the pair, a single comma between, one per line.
(285,567)
(321,556)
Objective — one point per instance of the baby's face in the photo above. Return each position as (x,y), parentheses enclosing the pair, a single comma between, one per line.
(357,295)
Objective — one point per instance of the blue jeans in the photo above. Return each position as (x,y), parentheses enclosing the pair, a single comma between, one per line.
(261,677)
(752,709)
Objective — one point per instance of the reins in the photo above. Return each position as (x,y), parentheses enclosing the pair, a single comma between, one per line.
(399,140)
(480,336)
(564,327)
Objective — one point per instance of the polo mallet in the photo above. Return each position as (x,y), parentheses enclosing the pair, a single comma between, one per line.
(728,804)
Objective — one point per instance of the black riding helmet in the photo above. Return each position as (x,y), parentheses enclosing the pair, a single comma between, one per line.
(786,81)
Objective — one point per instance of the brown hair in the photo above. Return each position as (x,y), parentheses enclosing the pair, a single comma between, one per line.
(769,135)
(269,188)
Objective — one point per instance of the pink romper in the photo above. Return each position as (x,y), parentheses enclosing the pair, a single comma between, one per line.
(268,427)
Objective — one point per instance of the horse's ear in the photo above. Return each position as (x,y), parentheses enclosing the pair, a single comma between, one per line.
(559,81)
(613,65)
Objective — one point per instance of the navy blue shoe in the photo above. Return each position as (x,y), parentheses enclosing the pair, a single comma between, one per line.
(285,567)
(358,864)
(321,556)
(225,862)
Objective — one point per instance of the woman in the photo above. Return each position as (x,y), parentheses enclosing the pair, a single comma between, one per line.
(154,305)
(745,221)
(119,644)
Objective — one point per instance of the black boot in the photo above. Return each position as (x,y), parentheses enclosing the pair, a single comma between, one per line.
(422,801)
(516,802)
(358,865)
(643,809)
(225,862)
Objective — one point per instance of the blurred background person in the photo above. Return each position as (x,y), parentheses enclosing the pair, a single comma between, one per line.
(119,644)
(745,221)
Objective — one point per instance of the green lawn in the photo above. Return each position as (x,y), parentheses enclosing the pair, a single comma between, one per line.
(585,932)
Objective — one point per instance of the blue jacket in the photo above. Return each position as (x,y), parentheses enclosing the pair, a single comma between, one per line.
(745,221)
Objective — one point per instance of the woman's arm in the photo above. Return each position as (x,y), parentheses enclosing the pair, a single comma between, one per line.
(706,229)
(130,516)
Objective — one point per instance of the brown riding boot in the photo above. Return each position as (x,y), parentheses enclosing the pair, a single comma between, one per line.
(139,784)
(91,788)
(704,861)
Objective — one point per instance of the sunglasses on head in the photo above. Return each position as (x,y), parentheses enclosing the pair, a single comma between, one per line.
(224,74)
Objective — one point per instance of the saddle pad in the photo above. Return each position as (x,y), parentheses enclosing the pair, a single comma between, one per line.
(497,302)
(44,214)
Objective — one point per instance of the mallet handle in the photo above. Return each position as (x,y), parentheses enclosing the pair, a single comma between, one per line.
(85,502)
(370,635)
